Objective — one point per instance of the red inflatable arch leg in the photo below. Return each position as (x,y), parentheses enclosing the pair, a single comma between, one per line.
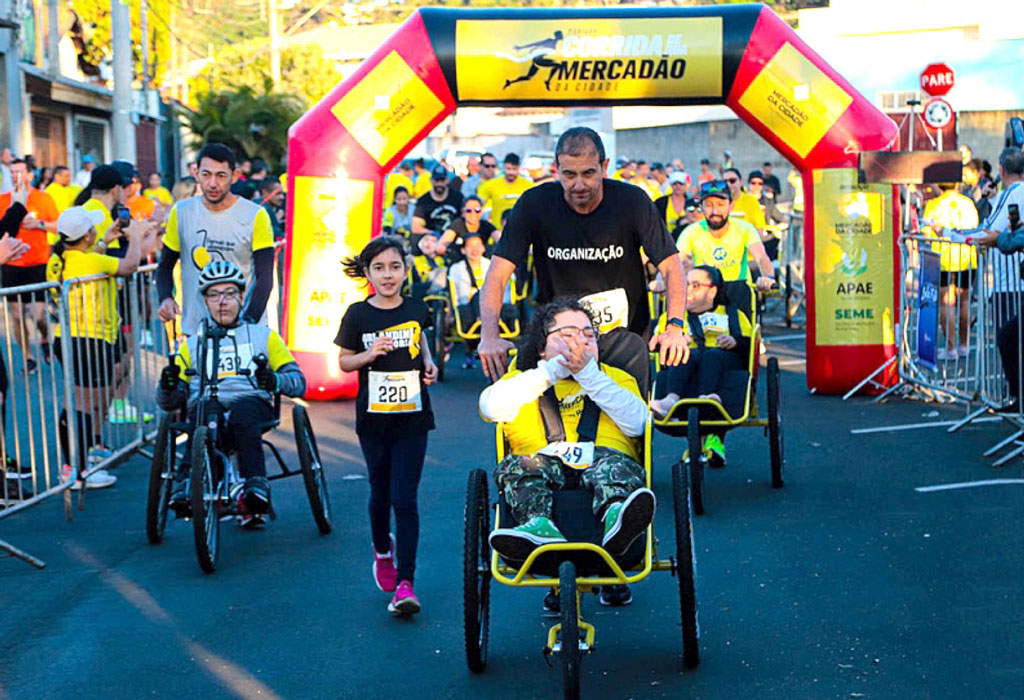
(744,56)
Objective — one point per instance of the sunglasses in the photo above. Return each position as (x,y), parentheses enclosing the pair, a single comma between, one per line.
(756,183)
(732,180)
(488,165)
(472,210)
(715,187)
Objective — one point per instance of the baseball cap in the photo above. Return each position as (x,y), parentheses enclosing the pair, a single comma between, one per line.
(715,188)
(677,176)
(88,159)
(692,204)
(125,169)
(439,173)
(75,222)
(105,177)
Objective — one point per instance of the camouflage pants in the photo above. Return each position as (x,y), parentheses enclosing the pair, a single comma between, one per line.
(527,481)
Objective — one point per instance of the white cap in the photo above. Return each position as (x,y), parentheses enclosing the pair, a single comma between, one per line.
(76,222)
(677,176)
(533,163)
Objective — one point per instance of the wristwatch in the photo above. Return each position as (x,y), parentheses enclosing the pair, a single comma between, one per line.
(677,322)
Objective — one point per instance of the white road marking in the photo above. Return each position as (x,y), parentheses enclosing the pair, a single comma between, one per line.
(783,363)
(968,485)
(915,426)
(794,336)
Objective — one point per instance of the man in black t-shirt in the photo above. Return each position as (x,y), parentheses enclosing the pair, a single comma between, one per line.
(587,232)
(436,210)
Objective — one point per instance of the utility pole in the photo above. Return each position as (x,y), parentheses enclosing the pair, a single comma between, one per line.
(123,129)
(53,38)
(275,43)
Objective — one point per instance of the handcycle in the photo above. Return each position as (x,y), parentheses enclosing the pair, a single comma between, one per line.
(214,483)
(449,327)
(571,568)
(688,417)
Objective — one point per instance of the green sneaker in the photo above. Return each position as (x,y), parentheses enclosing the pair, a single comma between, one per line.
(516,543)
(715,448)
(625,521)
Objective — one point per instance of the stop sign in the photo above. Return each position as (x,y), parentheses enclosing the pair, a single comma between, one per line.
(937,79)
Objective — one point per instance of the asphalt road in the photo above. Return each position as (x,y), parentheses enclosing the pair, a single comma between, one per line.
(847,583)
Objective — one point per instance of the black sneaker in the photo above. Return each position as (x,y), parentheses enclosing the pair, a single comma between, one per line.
(615,596)
(31,365)
(256,495)
(551,607)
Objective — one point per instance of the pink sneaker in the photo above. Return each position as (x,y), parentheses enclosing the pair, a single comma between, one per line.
(384,573)
(405,602)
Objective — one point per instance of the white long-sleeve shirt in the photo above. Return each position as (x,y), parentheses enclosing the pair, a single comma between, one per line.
(461,276)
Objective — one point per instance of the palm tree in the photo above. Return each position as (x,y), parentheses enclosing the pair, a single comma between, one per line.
(254,125)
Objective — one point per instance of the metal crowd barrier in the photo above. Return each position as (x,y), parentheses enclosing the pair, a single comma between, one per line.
(953,337)
(791,265)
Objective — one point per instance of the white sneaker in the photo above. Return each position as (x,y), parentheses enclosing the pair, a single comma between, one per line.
(944,354)
(963,351)
(97,480)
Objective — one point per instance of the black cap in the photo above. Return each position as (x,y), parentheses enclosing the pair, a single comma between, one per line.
(715,188)
(125,169)
(104,178)
(439,173)
(692,204)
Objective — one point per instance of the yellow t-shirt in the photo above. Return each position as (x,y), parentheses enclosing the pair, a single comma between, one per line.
(499,194)
(525,433)
(63,196)
(422,185)
(391,183)
(747,208)
(728,253)
(672,216)
(953,210)
(101,227)
(92,305)
(160,194)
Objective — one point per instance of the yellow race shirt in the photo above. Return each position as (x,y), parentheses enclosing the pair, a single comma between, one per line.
(101,227)
(391,183)
(422,185)
(63,196)
(728,253)
(160,194)
(953,210)
(747,208)
(525,433)
(92,305)
(500,195)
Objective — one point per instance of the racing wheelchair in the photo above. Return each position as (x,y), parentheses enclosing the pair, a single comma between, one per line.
(571,568)
(214,483)
(690,417)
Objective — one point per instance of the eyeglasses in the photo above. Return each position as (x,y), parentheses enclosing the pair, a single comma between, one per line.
(227,294)
(756,183)
(698,285)
(488,165)
(572,331)
(472,210)
(732,180)
(715,188)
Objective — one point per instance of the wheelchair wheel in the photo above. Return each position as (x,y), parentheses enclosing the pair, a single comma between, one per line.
(476,572)
(570,651)
(204,492)
(161,476)
(775,443)
(696,460)
(312,469)
(685,567)
(439,340)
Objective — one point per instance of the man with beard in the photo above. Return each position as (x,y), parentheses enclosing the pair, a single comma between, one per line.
(725,243)
(436,210)
(216,226)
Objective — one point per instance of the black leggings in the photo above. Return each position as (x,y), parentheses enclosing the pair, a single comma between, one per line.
(394,464)
(703,373)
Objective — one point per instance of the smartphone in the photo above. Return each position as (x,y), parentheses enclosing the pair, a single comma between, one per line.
(1014,211)
(124,216)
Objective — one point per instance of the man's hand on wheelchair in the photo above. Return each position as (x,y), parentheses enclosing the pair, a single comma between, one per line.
(169,377)
(765,283)
(673,346)
(493,352)
(266,379)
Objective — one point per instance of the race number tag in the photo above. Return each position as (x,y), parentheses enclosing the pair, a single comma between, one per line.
(611,308)
(231,359)
(714,324)
(578,455)
(395,392)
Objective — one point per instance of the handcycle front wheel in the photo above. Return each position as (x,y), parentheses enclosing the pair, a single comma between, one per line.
(696,459)
(570,650)
(775,441)
(204,492)
(684,569)
(476,572)
(161,476)
(312,469)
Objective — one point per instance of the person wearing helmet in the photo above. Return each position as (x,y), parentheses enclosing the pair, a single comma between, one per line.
(247,398)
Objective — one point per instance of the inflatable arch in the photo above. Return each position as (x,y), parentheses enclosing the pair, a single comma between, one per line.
(743,56)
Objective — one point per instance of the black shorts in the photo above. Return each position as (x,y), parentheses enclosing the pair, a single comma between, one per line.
(962,279)
(19,276)
(92,363)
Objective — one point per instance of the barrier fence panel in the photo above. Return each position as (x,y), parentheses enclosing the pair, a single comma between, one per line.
(791,264)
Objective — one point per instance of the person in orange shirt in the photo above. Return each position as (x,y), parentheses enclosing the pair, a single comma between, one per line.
(28,308)
(140,206)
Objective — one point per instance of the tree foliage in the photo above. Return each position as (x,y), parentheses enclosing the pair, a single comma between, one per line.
(250,123)
(94,16)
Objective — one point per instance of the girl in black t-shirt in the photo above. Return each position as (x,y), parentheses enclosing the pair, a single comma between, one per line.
(382,338)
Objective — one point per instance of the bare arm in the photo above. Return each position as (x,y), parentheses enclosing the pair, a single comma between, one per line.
(130,262)
(673,344)
(419,225)
(493,349)
(767,278)
(350,360)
